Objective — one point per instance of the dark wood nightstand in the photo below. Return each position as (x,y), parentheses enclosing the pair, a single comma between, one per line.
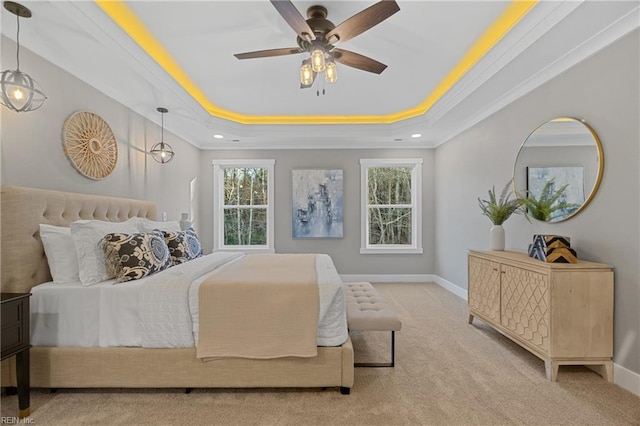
(15,341)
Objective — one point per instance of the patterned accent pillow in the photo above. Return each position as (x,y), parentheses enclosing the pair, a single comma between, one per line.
(133,256)
(183,245)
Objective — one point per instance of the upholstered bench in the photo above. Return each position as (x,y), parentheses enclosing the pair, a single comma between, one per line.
(367,311)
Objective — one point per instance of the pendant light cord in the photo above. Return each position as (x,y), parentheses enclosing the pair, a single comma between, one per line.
(162,131)
(18,42)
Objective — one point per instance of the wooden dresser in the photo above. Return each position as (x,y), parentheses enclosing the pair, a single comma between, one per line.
(562,313)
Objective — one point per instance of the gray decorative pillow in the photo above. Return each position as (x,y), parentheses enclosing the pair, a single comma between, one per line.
(133,256)
(183,245)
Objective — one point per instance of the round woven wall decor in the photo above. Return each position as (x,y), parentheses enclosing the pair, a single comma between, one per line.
(90,145)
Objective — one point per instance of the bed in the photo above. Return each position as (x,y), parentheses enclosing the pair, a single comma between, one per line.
(24,266)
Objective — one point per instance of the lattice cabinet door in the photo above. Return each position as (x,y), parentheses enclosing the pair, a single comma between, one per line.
(525,305)
(484,288)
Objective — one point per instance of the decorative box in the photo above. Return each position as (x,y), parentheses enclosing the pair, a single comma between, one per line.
(551,241)
(552,249)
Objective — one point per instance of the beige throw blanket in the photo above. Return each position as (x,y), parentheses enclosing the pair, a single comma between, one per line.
(261,306)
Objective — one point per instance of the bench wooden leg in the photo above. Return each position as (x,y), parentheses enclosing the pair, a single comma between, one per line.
(382,364)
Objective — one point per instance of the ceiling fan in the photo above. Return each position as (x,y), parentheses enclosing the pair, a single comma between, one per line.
(317,36)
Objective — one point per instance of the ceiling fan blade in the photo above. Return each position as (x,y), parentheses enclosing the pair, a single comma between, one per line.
(358,61)
(362,21)
(269,53)
(306,86)
(294,18)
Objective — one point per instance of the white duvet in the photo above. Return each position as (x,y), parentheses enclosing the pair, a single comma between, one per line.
(159,311)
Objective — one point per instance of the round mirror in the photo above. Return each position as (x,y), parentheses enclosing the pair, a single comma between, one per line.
(558,169)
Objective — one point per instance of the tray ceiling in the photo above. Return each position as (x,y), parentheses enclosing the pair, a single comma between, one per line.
(450,64)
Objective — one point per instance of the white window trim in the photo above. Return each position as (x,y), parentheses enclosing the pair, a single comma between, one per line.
(416,199)
(218,190)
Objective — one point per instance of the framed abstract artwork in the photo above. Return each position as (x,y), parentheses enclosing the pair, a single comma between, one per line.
(317,203)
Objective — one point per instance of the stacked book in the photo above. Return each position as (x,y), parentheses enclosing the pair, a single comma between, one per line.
(552,249)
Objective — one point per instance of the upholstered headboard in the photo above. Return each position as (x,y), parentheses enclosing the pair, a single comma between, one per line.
(24,264)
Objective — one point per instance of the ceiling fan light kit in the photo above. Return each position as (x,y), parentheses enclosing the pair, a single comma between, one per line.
(317,37)
(331,72)
(306,74)
(317,60)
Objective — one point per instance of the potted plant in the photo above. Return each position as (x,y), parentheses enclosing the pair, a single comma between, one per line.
(498,210)
(550,205)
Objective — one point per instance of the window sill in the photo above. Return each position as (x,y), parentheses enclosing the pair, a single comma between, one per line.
(246,249)
(389,250)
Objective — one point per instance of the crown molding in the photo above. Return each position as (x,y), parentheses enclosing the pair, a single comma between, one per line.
(543,17)
(316,144)
(609,35)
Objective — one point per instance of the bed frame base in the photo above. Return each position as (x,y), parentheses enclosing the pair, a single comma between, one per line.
(179,368)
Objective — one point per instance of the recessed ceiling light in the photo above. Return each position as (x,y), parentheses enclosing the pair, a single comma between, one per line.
(218,136)
(416,135)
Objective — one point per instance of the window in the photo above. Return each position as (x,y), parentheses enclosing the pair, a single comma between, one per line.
(243,204)
(391,199)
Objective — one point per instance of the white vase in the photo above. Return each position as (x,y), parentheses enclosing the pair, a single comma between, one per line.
(496,238)
(185,223)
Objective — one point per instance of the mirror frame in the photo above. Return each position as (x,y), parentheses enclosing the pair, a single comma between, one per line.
(600,172)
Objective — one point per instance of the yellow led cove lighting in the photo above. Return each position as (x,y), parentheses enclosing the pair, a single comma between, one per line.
(123,16)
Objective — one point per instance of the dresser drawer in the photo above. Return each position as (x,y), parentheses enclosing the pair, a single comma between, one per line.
(15,326)
(12,338)
(12,312)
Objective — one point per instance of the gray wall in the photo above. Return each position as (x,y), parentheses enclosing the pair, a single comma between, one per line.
(32,153)
(604,91)
(345,251)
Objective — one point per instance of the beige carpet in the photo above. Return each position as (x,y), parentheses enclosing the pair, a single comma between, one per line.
(447,372)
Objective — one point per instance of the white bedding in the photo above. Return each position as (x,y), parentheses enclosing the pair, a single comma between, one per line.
(109,314)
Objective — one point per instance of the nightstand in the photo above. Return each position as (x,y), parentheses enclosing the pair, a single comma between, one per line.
(15,341)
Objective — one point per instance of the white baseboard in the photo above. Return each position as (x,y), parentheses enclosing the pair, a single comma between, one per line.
(406,278)
(391,278)
(626,379)
(457,290)
(622,376)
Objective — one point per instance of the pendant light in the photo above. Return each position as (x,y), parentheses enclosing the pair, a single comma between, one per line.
(306,74)
(331,72)
(19,92)
(162,152)
(317,60)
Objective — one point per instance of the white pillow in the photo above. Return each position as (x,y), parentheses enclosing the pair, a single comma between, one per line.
(61,253)
(146,225)
(86,236)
